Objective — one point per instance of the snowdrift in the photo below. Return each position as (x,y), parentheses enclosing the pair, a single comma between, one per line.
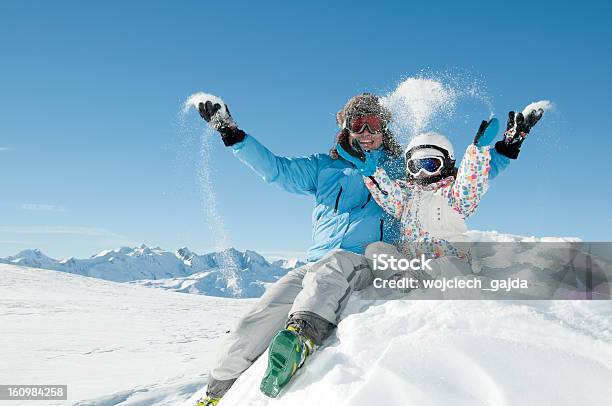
(454,353)
(461,352)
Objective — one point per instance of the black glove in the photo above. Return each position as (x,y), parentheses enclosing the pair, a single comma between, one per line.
(516,131)
(221,121)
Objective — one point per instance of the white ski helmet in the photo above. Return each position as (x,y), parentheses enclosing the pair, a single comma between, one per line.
(429,145)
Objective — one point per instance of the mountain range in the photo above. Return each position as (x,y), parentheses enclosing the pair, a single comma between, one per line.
(227,273)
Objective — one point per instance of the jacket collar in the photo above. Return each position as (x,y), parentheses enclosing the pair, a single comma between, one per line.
(378,155)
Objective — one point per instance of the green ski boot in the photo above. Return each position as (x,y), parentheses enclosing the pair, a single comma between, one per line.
(286,354)
(208,401)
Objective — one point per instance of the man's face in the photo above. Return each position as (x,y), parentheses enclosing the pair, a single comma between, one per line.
(367,140)
(367,129)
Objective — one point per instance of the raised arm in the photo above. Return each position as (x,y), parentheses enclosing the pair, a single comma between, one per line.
(472,180)
(297,175)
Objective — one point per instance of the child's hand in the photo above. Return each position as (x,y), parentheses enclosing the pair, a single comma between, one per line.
(486,132)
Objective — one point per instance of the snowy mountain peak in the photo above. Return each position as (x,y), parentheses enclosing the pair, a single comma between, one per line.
(254,257)
(142,250)
(31,253)
(289,263)
(184,253)
(231,251)
(69,260)
(190,258)
(122,251)
(31,257)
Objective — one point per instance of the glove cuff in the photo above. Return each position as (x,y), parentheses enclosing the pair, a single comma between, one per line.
(231,135)
(509,151)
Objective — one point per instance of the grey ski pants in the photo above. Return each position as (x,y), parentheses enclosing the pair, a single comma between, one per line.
(318,291)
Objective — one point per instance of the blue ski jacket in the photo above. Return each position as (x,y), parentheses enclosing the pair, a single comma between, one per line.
(345,215)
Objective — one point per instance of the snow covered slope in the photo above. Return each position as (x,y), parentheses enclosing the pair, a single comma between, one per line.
(431,352)
(111,343)
(228,273)
(402,353)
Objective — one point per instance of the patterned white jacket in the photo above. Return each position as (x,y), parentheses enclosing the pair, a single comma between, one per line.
(433,216)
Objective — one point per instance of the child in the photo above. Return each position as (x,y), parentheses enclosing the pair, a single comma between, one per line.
(436,198)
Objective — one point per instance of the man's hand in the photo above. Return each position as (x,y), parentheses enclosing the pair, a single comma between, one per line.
(217,114)
(517,129)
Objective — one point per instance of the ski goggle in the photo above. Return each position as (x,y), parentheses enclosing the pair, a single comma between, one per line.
(358,124)
(429,165)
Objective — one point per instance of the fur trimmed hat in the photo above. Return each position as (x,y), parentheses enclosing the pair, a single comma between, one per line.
(365,104)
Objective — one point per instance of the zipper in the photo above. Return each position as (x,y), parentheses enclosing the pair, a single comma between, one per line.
(381,229)
(337,200)
(367,201)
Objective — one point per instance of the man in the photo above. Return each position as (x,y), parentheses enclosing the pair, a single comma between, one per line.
(301,309)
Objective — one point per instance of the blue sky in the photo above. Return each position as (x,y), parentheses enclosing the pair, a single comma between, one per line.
(91,156)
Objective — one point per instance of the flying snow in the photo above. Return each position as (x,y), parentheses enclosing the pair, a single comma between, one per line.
(542,104)
(213,218)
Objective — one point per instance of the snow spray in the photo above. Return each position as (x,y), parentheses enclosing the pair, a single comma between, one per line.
(542,104)
(424,103)
(216,225)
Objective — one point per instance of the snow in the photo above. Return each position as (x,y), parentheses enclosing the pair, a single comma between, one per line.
(206,179)
(125,344)
(542,104)
(195,99)
(417,102)
(420,104)
(111,343)
(496,236)
(289,263)
(461,352)
(453,352)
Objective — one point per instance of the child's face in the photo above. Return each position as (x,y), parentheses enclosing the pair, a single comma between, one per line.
(424,167)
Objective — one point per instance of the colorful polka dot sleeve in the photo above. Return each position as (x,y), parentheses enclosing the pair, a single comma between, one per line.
(390,195)
(471,182)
